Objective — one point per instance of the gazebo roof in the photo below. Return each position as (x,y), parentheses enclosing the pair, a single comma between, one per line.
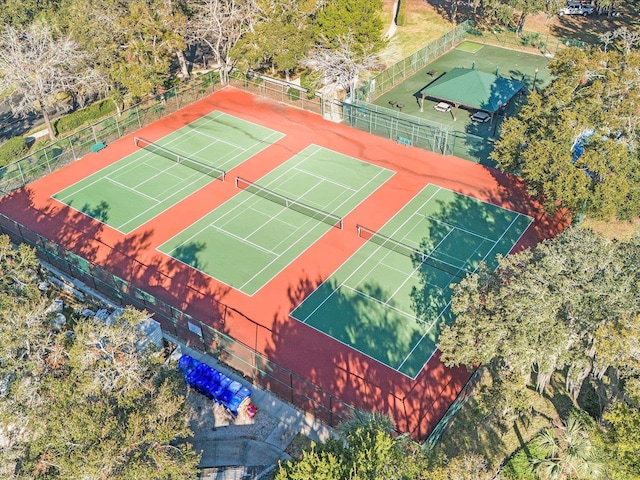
(473,88)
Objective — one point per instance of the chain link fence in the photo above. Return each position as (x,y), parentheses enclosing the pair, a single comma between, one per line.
(532,42)
(74,146)
(255,367)
(398,126)
(408,66)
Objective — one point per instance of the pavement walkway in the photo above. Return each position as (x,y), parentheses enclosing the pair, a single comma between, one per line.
(228,453)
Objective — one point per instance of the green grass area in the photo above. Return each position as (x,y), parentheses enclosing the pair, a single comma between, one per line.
(470,47)
(393,294)
(247,240)
(421,26)
(471,431)
(132,191)
(468,139)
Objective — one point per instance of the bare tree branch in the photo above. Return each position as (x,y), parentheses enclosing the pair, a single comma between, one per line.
(40,68)
(343,67)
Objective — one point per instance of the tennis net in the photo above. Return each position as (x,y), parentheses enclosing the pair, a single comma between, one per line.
(315,213)
(181,159)
(407,251)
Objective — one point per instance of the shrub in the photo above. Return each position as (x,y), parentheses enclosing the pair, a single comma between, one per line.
(308,80)
(85,116)
(12,150)
(518,467)
(294,94)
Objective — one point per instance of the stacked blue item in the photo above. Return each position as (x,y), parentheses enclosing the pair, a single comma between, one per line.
(213,384)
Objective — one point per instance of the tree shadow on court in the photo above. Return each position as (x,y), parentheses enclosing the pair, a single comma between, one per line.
(188,253)
(172,281)
(58,223)
(462,233)
(131,258)
(100,212)
(344,374)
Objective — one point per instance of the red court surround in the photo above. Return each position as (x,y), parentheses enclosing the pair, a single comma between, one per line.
(416,405)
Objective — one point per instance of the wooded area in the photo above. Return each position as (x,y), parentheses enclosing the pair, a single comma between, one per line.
(566,309)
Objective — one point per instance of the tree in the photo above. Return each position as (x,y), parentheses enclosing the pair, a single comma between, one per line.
(149,42)
(620,440)
(341,68)
(21,13)
(220,24)
(358,20)
(282,37)
(131,43)
(558,307)
(567,455)
(368,450)
(576,143)
(42,69)
(77,399)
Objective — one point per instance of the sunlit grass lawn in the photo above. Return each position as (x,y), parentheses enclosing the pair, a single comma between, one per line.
(422,25)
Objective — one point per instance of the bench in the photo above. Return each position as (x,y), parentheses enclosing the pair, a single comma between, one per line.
(404,141)
(98,146)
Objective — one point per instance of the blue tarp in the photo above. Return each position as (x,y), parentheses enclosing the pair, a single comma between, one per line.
(213,384)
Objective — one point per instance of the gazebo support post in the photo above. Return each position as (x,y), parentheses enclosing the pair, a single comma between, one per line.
(421,103)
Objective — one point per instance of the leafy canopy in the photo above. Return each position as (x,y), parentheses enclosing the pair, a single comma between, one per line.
(79,400)
(567,305)
(576,142)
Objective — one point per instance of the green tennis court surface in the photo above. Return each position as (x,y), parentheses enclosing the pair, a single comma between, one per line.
(388,299)
(131,192)
(471,47)
(246,241)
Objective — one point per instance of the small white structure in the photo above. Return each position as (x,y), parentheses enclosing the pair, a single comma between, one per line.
(150,334)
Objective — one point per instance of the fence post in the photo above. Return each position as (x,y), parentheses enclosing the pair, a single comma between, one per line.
(331,410)
(291,386)
(46,158)
(72,150)
(115,119)
(21,175)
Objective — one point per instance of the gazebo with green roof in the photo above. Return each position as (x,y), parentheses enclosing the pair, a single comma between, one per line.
(472,89)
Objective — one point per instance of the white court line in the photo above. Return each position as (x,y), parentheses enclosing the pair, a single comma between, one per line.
(171,205)
(232,160)
(270,132)
(303,236)
(219,140)
(136,159)
(325,179)
(449,302)
(237,211)
(153,199)
(244,240)
(148,179)
(415,270)
(300,238)
(375,252)
(378,301)
(459,228)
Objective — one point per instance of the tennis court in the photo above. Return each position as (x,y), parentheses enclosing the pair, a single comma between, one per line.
(132,191)
(388,299)
(246,241)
